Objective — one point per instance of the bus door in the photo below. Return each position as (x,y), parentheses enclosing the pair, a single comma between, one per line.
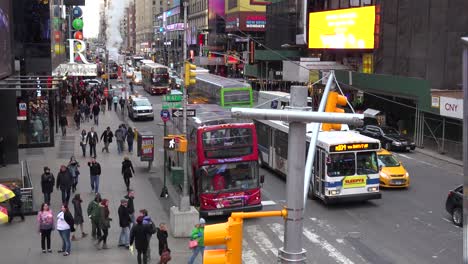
(319,175)
(280,153)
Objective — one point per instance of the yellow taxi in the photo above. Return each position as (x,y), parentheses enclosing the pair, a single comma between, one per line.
(392,173)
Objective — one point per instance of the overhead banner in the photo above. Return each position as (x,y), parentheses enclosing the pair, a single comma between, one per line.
(75,69)
(351,28)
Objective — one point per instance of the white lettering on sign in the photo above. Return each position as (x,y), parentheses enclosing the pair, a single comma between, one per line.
(451,107)
(71,42)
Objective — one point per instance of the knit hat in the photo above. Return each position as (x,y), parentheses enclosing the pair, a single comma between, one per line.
(123,201)
(139,219)
(202,221)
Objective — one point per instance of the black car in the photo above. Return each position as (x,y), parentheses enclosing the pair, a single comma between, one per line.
(454,205)
(389,137)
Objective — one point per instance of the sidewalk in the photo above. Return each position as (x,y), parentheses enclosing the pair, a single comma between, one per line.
(439,156)
(20,241)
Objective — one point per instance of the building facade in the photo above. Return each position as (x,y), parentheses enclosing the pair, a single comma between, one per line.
(146,12)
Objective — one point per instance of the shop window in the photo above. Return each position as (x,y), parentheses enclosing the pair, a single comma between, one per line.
(36,129)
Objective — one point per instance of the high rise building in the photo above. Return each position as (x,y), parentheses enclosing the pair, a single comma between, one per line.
(145,11)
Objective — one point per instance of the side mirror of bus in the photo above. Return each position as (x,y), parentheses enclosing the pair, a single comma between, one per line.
(262,179)
(380,167)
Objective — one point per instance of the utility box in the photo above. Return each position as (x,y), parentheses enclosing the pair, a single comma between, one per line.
(177,176)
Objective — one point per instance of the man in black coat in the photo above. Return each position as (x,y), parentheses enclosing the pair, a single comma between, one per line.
(139,235)
(47,184)
(64,182)
(16,203)
(124,222)
(92,139)
(96,109)
(94,174)
(106,137)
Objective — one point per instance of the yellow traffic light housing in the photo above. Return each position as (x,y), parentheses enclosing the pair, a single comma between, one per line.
(334,100)
(230,234)
(189,74)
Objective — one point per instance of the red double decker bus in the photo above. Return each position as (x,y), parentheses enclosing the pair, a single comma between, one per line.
(223,160)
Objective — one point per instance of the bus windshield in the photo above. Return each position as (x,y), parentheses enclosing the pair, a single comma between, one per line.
(230,176)
(227,142)
(367,163)
(341,164)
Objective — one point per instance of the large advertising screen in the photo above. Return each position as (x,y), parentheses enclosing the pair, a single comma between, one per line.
(5,39)
(351,28)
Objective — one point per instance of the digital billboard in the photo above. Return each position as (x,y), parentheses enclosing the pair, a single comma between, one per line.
(351,28)
(5,39)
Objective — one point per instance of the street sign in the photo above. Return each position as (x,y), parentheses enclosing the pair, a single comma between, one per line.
(172,98)
(180,112)
(165,115)
(172,105)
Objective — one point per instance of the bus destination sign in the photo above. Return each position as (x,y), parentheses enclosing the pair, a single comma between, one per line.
(354,146)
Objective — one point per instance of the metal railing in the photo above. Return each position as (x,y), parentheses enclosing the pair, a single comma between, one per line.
(27,189)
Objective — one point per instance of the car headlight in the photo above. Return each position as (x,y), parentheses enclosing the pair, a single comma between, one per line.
(383,174)
(396,143)
(407,174)
(373,189)
(333,192)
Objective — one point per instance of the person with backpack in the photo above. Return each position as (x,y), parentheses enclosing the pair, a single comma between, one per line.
(47,184)
(65,225)
(73,166)
(16,204)
(45,223)
(127,171)
(106,137)
(139,235)
(147,221)
(94,215)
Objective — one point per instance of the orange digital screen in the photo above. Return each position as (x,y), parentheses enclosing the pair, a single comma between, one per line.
(351,28)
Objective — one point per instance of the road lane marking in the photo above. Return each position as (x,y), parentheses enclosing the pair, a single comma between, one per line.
(277,228)
(261,239)
(332,251)
(266,203)
(406,156)
(248,255)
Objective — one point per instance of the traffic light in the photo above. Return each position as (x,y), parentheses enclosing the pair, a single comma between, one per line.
(189,77)
(334,100)
(229,234)
(176,143)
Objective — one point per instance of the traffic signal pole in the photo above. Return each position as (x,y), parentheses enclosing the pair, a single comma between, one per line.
(292,251)
(465,145)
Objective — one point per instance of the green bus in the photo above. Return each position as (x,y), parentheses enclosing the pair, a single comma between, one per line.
(225,92)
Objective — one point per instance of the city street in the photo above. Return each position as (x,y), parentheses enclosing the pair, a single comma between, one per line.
(405,226)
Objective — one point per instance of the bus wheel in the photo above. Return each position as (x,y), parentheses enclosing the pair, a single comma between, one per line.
(310,191)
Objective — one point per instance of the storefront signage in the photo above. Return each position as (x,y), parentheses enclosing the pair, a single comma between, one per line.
(451,107)
(351,28)
(257,21)
(232,22)
(74,69)
(22,111)
(147,148)
(435,102)
(176,26)
(79,49)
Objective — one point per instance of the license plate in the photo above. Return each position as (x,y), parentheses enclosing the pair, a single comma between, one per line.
(215,213)
(407,148)
(398,182)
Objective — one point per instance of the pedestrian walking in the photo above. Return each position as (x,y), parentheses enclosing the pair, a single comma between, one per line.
(148,221)
(104,224)
(64,183)
(73,166)
(131,86)
(82,111)
(106,137)
(63,124)
(45,223)
(77,119)
(130,137)
(87,111)
(109,102)
(164,251)
(83,140)
(92,139)
(127,171)
(94,174)
(122,104)
(78,215)
(115,100)
(16,204)
(124,222)
(139,236)
(93,214)
(198,236)
(120,137)
(47,184)
(96,109)
(103,105)
(65,225)
(131,205)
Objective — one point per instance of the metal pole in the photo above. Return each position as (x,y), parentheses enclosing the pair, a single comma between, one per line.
(184,201)
(314,136)
(442,148)
(164,192)
(465,146)
(292,251)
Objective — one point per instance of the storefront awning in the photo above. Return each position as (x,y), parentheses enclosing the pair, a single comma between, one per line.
(75,69)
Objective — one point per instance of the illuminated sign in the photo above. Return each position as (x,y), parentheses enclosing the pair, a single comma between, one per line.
(354,181)
(351,28)
(176,26)
(257,21)
(354,146)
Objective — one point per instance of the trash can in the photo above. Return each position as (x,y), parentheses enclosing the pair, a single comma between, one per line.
(177,175)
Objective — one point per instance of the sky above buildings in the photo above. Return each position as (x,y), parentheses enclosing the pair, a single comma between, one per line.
(91,18)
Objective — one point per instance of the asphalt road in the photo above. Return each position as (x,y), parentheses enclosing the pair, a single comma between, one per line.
(405,226)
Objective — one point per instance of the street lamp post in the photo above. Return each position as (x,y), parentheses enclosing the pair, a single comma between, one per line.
(465,144)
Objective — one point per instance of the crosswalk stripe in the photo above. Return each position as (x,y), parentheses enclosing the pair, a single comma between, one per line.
(266,203)
(277,228)
(332,251)
(248,255)
(261,239)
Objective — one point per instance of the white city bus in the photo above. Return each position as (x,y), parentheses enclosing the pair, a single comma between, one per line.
(345,165)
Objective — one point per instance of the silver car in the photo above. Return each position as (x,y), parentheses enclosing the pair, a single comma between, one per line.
(140,108)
